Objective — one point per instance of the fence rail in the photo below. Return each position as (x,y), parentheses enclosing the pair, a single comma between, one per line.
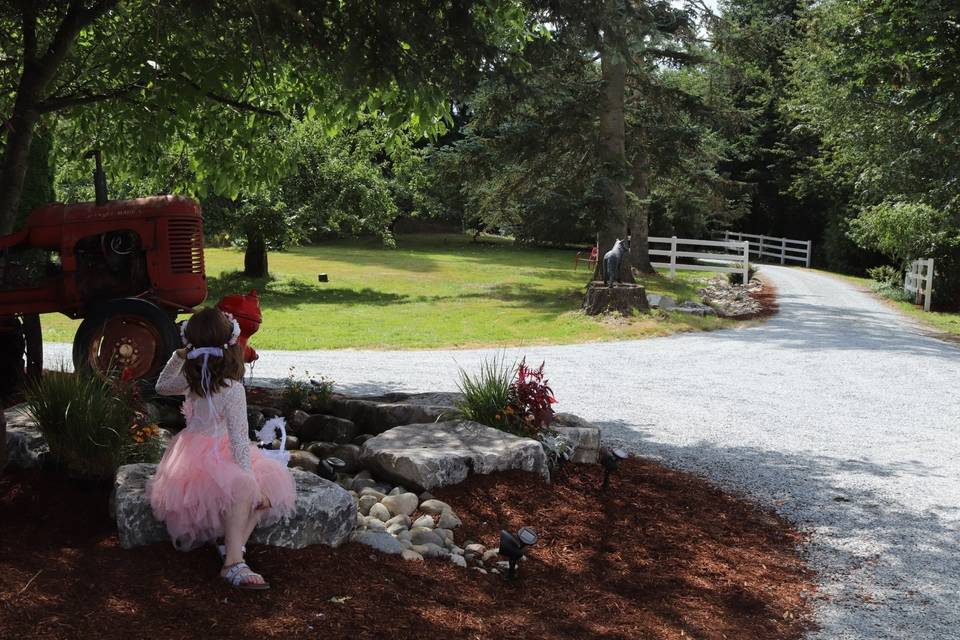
(733,256)
(919,281)
(783,249)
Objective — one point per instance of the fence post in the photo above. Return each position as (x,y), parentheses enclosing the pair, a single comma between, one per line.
(746,262)
(783,250)
(760,254)
(928,285)
(673,256)
(809,248)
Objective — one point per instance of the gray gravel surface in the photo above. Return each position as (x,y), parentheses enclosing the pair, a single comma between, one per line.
(839,412)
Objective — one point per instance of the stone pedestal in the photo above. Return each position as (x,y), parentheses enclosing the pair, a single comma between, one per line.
(621,298)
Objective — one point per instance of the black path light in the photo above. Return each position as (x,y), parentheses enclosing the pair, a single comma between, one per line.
(328,467)
(610,460)
(512,547)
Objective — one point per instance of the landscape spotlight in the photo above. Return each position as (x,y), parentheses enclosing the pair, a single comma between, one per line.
(512,547)
(610,460)
(328,468)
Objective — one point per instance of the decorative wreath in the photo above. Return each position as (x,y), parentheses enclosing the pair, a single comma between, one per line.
(234,333)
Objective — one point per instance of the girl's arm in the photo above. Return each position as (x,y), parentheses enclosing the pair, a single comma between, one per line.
(171,381)
(235,411)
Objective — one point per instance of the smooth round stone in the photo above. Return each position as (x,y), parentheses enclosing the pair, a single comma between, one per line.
(402,503)
(396,491)
(449,520)
(458,560)
(359,484)
(369,491)
(490,555)
(394,529)
(420,535)
(292,443)
(446,534)
(434,507)
(400,519)
(434,551)
(374,524)
(404,536)
(411,556)
(364,503)
(475,549)
(380,512)
(424,521)
(361,520)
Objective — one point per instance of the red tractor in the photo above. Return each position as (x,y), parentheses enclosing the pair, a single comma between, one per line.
(126,267)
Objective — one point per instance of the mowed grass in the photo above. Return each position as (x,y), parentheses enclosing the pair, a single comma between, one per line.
(945,322)
(431,291)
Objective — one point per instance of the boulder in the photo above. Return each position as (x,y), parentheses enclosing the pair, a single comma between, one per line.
(458,560)
(420,535)
(401,504)
(350,454)
(584,436)
(320,449)
(376,414)
(25,445)
(411,556)
(323,512)
(657,301)
(424,456)
(425,521)
(326,428)
(400,519)
(293,443)
(297,418)
(255,418)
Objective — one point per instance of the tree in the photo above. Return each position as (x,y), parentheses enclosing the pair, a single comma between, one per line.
(208,77)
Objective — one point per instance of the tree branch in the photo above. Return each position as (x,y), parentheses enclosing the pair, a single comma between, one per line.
(65,102)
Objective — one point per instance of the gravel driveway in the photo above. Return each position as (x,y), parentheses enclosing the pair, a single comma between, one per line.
(839,412)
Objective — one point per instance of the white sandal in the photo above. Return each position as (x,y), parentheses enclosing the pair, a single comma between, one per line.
(237,573)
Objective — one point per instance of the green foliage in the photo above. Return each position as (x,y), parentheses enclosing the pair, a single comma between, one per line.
(486,395)
(886,275)
(91,422)
(307,394)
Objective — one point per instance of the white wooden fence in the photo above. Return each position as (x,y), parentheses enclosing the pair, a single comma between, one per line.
(732,256)
(919,282)
(778,248)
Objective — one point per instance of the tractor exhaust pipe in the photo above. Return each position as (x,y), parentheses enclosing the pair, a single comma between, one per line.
(99,177)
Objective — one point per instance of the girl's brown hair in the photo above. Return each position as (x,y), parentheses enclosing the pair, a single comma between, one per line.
(211,328)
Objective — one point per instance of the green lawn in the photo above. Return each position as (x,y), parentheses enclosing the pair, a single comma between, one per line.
(431,291)
(948,323)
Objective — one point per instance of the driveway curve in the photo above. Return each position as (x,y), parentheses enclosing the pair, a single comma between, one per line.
(838,412)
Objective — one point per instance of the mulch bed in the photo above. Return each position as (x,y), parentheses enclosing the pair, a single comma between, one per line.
(661,555)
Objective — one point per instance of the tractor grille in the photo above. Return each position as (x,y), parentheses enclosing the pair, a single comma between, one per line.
(186,246)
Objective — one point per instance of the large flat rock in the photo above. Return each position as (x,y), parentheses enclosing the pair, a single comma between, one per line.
(376,414)
(324,512)
(438,454)
(584,436)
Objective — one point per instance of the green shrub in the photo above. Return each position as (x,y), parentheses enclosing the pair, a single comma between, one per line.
(487,395)
(886,275)
(309,394)
(737,277)
(92,423)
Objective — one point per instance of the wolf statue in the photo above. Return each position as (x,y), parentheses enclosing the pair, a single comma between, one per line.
(612,260)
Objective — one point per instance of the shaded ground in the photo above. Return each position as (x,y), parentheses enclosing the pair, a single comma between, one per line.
(661,555)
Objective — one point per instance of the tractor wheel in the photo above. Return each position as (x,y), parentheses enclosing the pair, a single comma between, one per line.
(131,334)
(11,356)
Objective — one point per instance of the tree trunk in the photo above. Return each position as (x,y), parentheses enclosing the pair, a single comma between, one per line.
(255,257)
(13,171)
(640,222)
(613,159)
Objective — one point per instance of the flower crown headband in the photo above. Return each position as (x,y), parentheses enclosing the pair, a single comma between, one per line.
(234,333)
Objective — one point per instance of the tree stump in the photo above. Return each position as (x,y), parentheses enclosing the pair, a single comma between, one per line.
(621,297)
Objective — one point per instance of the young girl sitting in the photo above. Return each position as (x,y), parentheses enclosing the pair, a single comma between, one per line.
(212,481)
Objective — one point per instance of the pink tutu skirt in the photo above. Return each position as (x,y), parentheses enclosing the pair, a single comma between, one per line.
(198,479)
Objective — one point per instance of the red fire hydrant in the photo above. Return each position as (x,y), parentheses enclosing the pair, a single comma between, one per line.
(246,309)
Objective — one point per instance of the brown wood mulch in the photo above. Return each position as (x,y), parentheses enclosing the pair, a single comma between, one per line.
(661,554)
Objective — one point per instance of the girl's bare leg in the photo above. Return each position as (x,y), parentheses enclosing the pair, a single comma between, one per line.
(236,530)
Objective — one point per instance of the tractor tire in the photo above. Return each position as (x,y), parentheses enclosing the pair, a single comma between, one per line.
(129,333)
(11,356)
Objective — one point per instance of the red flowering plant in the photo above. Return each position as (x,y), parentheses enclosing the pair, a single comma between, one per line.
(530,401)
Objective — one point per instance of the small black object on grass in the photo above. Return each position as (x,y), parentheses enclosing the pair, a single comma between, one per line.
(610,460)
(328,468)
(322,277)
(512,547)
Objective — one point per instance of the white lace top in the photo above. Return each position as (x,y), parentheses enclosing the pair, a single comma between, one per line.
(229,406)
